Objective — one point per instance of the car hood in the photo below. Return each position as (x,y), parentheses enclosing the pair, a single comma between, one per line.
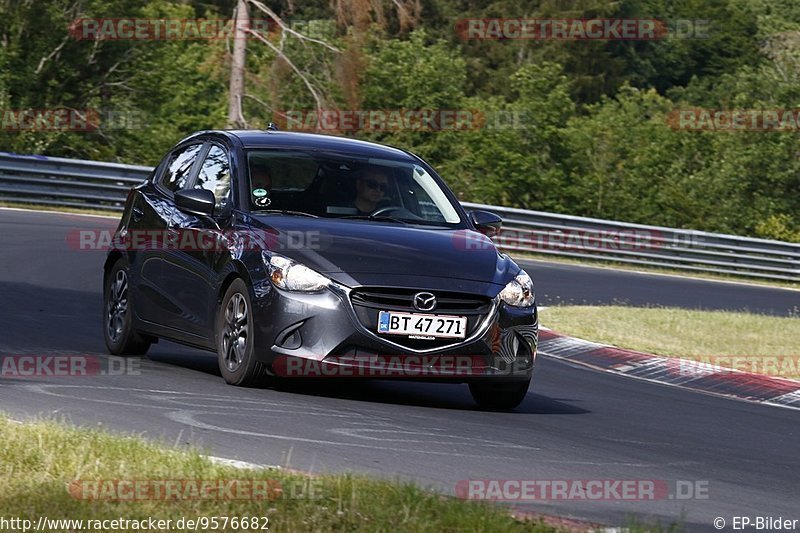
(355,252)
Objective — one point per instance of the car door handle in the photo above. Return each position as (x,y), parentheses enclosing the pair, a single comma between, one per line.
(137,214)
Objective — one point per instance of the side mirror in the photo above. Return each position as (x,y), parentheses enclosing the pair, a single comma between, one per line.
(196,201)
(487,223)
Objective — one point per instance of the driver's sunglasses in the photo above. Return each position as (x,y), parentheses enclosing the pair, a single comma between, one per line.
(372,184)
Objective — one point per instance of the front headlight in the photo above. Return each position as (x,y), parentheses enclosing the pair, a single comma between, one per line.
(519,291)
(286,274)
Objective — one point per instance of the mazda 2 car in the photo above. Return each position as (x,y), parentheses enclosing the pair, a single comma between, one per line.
(302,255)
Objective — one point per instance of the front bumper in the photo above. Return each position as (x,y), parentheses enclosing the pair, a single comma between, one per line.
(321,335)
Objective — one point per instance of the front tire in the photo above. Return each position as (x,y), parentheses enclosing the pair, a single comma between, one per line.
(499,395)
(235,340)
(120,336)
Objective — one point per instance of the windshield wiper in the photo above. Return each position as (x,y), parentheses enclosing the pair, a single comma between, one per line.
(426,222)
(374,217)
(287,212)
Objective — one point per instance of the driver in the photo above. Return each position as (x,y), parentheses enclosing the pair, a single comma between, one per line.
(370,189)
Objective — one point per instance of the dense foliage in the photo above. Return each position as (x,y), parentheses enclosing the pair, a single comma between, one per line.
(579,127)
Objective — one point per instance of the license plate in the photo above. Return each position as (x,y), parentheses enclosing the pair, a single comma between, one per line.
(393,323)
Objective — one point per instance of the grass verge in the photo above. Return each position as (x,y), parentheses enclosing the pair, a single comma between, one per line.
(40,461)
(770,345)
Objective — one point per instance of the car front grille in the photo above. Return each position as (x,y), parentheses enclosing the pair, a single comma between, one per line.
(369,301)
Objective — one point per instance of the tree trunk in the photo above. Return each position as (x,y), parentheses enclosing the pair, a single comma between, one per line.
(236,93)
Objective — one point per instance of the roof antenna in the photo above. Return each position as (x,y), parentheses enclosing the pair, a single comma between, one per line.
(272,127)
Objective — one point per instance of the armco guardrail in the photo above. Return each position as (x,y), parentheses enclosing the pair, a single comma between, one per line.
(67,182)
(609,240)
(75,183)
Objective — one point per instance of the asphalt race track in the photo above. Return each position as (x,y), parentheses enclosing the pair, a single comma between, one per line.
(576,423)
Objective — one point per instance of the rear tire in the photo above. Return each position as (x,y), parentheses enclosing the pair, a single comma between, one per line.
(235,339)
(499,395)
(120,336)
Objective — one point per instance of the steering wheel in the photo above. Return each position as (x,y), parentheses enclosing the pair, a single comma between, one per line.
(396,211)
(385,210)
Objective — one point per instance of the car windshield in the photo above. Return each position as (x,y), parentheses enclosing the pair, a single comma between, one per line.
(339,186)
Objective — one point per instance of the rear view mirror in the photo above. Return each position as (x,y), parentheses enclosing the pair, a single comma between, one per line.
(196,201)
(487,223)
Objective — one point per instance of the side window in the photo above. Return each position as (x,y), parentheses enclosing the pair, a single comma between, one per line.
(180,165)
(215,175)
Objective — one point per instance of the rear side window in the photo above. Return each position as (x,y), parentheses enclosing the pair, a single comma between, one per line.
(180,165)
(215,175)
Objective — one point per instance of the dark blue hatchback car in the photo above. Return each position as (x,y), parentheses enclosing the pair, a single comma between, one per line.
(300,255)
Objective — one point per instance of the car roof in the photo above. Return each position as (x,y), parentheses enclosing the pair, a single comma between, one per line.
(253,139)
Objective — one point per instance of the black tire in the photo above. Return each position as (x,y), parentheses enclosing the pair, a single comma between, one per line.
(499,395)
(235,339)
(118,331)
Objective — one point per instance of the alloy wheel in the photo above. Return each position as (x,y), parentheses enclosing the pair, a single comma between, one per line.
(117,305)
(235,332)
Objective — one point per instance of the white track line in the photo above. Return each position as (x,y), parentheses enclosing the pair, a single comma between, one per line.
(60,212)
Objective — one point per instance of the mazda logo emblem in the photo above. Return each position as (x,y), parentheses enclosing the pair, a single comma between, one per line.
(424,301)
